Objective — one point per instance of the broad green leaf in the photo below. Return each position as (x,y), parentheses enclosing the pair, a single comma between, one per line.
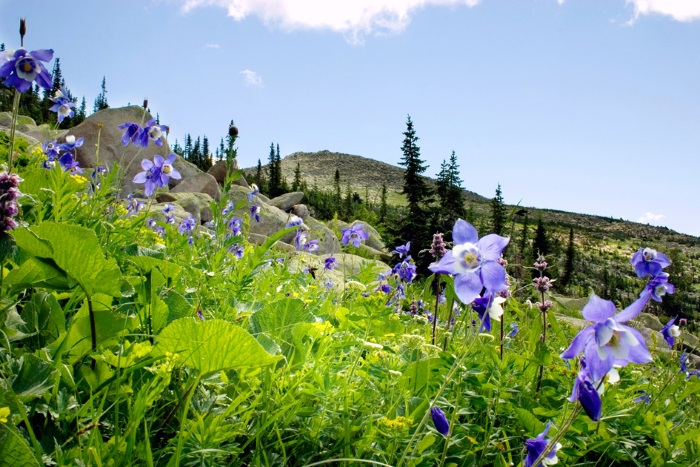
(77,251)
(425,443)
(212,345)
(147,263)
(159,314)
(278,318)
(33,377)
(419,374)
(178,306)
(108,325)
(38,272)
(14,449)
(531,424)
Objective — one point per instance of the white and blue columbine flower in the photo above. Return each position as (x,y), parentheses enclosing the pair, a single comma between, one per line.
(607,341)
(473,262)
(649,262)
(536,446)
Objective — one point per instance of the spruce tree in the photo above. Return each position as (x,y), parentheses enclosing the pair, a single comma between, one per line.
(540,245)
(416,226)
(260,177)
(383,205)
(296,184)
(205,160)
(337,199)
(570,257)
(273,173)
(101,99)
(498,213)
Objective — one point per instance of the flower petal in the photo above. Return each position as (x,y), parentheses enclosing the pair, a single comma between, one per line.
(467,287)
(633,310)
(464,232)
(444,266)
(598,309)
(493,276)
(491,246)
(579,343)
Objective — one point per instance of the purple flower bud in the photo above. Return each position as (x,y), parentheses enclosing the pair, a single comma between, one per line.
(438,247)
(442,425)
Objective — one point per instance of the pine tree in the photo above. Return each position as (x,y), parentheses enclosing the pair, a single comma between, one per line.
(337,199)
(101,99)
(347,207)
(383,205)
(260,177)
(416,225)
(449,191)
(205,161)
(296,184)
(498,212)
(81,113)
(273,175)
(187,151)
(540,245)
(222,149)
(570,257)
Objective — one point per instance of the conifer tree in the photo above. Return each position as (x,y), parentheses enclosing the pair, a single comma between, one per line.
(498,213)
(205,161)
(416,226)
(260,178)
(273,174)
(383,205)
(101,99)
(449,191)
(570,257)
(81,113)
(540,245)
(296,184)
(337,200)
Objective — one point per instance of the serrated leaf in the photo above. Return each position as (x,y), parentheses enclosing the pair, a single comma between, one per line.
(14,449)
(212,345)
(418,375)
(38,272)
(531,424)
(178,306)
(278,318)
(147,263)
(33,377)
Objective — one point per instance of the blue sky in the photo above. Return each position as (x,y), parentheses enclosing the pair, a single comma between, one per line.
(589,106)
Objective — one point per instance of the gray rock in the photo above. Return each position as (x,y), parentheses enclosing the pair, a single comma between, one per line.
(287,200)
(327,241)
(375,240)
(300,210)
(197,204)
(199,183)
(218,170)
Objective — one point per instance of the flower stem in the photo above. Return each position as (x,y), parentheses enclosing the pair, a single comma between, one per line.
(93,329)
(15,112)
(447,325)
(437,304)
(553,442)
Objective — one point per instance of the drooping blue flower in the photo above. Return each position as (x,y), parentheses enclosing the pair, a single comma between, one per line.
(488,308)
(255,212)
(71,143)
(168,209)
(235,225)
(330,263)
(51,149)
(155,132)
(63,106)
(586,393)
(535,447)
(658,286)
(644,397)
(133,133)
(355,235)
(671,331)
(294,221)
(442,425)
(150,177)
(649,262)
(300,240)
(473,262)
(312,246)
(513,329)
(386,288)
(402,250)
(607,342)
(229,207)
(69,164)
(21,68)
(253,191)
(236,250)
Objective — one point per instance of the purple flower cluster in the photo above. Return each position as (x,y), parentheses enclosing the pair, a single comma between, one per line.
(536,446)
(157,173)
(63,105)
(63,153)
(355,235)
(9,192)
(140,136)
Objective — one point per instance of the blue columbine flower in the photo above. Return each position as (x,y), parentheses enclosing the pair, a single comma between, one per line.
(671,331)
(229,207)
(154,132)
(253,191)
(167,171)
(406,270)
(442,425)
(133,133)
(235,225)
(21,68)
(473,262)
(649,262)
(607,342)
(585,392)
(658,286)
(488,308)
(255,212)
(300,240)
(151,175)
(168,209)
(355,235)
(71,143)
(513,330)
(294,221)
(535,447)
(63,106)
(402,250)
(69,164)
(330,263)
(51,149)
(312,246)
(236,250)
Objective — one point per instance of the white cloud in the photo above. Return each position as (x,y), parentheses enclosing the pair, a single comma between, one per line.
(354,18)
(650,217)
(680,10)
(252,78)
(212,46)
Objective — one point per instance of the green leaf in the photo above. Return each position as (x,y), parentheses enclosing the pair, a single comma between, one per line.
(14,449)
(419,374)
(76,250)
(147,263)
(178,306)
(212,345)
(531,424)
(37,272)
(33,377)
(425,443)
(278,318)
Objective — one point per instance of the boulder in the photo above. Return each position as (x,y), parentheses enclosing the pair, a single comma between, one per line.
(375,240)
(327,241)
(218,170)
(197,204)
(300,210)
(286,201)
(105,123)
(199,183)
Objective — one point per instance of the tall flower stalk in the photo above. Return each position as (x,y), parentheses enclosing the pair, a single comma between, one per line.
(542,284)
